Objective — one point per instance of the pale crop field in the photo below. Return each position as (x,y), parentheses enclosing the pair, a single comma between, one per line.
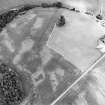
(77,40)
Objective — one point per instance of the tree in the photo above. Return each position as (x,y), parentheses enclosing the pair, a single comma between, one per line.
(58,5)
(99,17)
(61,21)
(11,90)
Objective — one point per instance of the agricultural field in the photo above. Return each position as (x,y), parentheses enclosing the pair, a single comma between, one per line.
(52,52)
